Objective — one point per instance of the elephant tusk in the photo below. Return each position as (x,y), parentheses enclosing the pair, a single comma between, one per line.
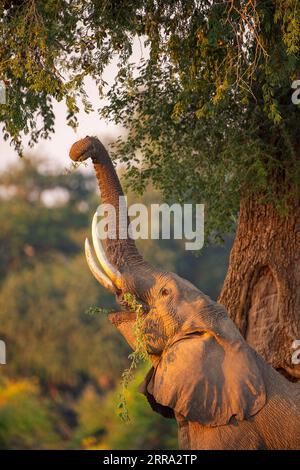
(110,270)
(96,271)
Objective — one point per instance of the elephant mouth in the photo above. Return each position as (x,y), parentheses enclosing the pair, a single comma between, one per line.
(124,322)
(126,316)
(117,318)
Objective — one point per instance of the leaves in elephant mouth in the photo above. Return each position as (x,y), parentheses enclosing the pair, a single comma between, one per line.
(96,310)
(73,166)
(138,356)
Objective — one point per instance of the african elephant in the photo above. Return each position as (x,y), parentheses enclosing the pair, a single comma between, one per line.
(221,392)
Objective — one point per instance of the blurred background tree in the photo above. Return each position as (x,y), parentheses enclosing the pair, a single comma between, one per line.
(144,430)
(60,386)
(26,418)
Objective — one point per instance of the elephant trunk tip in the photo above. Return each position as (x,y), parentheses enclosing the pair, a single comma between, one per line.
(89,147)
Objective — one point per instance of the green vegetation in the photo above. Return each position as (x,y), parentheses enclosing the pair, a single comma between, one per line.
(63,379)
(26,418)
(144,430)
(138,356)
(208,117)
(208,111)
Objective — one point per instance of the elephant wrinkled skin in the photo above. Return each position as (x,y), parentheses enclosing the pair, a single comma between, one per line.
(221,392)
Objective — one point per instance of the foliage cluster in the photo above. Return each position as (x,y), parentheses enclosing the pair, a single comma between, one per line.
(208,107)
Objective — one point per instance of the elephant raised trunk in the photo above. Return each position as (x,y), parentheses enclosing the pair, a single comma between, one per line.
(123,268)
(204,374)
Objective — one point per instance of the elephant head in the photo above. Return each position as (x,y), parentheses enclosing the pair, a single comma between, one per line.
(203,370)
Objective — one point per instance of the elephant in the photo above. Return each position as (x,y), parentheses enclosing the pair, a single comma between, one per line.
(222,394)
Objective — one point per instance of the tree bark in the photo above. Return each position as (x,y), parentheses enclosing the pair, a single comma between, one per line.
(262,288)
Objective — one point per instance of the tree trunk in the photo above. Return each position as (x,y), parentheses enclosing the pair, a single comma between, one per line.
(262,288)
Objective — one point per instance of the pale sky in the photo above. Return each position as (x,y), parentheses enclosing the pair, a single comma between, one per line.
(89,124)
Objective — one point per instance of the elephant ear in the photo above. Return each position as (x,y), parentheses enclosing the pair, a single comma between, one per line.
(206,379)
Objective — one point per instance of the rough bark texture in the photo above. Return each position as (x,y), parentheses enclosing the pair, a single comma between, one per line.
(262,288)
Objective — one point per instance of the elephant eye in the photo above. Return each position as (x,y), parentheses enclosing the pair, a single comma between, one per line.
(165,292)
